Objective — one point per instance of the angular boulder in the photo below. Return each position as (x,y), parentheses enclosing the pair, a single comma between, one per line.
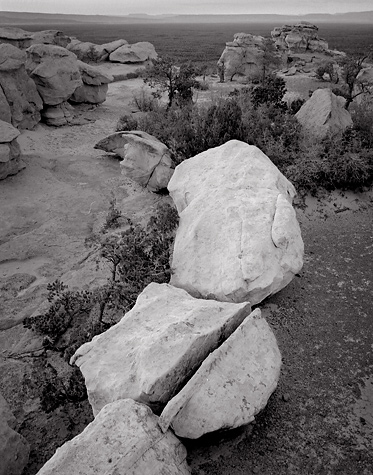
(232,385)
(123,439)
(155,347)
(324,114)
(90,52)
(20,102)
(14,449)
(9,150)
(55,72)
(95,85)
(146,160)
(238,237)
(135,53)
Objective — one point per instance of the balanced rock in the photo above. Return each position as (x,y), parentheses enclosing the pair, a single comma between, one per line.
(135,53)
(95,85)
(301,37)
(238,237)
(9,150)
(146,160)
(20,102)
(55,72)
(155,347)
(324,114)
(59,115)
(90,52)
(15,36)
(14,449)
(123,439)
(232,385)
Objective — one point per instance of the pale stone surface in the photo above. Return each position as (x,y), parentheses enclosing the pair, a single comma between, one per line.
(238,237)
(50,37)
(324,114)
(7,132)
(123,439)
(146,160)
(300,37)
(14,449)
(93,76)
(86,51)
(232,385)
(135,53)
(155,347)
(55,72)
(20,102)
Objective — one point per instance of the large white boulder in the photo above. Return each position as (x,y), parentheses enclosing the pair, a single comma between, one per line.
(124,439)
(156,346)
(324,114)
(232,385)
(135,53)
(238,237)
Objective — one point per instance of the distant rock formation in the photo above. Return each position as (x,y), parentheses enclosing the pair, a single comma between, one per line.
(238,237)
(20,102)
(14,449)
(299,38)
(94,87)
(135,53)
(324,114)
(9,150)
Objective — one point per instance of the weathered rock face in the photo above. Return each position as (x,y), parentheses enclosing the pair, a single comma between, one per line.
(135,53)
(124,439)
(50,37)
(59,115)
(10,152)
(95,85)
(232,385)
(155,347)
(86,51)
(14,449)
(242,56)
(238,237)
(55,72)
(20,102)
(301,37)
(146,160)
(15,37)
(324,114)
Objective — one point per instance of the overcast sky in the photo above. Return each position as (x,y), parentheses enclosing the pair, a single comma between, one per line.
(125,7)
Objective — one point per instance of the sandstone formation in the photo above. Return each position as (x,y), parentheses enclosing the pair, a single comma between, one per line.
(90,52)
(155,347)
(50,37)
(95,85)
(9,150)
(324,114)
(146,160)
(14,449)
(123,439)
(135,53)
(59,115)
(232,385)
(15,36)
(55,72)
(242,56)
(301,37)
(20,102)
(238,237)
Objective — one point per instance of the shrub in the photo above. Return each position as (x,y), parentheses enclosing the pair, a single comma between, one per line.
(270,92)
(144,101)
(126,122)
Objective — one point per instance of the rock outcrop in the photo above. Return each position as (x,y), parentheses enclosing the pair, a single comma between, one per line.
(23,39)
(16,37)
(14,449)
(20,103)
(50,37)
(299,38)
(238,237)
(146,160)
(232,385)
(9,150)
(95,85)
(324,114)
(155,347)
(242,56)
(123,439)
(135,53)
(90,52)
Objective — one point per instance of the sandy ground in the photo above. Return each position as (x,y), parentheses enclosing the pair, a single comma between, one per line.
(319,420)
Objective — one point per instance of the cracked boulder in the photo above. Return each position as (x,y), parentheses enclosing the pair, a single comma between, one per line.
(231,386)
(238,237)
(146,160)
(125,438)
(155,347)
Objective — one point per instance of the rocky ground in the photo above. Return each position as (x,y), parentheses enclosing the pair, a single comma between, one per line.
(318,421)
